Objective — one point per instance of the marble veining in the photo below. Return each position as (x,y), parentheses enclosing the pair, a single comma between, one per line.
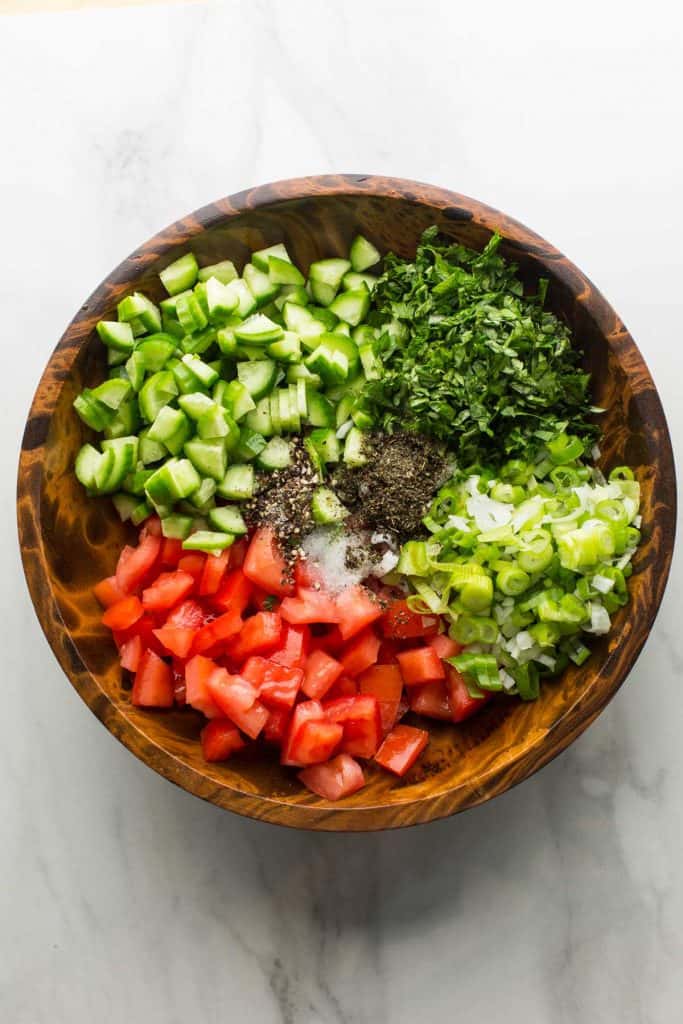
(125,899)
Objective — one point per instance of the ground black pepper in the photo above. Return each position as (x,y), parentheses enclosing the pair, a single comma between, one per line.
(283,500)
(392,491)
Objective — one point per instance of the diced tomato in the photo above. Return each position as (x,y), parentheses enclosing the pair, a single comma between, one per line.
(315,742)
(151,526)
(420,665)
(220,739)
(401,748)
(234,593)
(330,640)
(107,592)
(403,708)
(321,672)
(280,685)
(388,649)
(135,564)
(153,684)
(192,562)
(309,606)
(461,703)
(188,615)
(264,564)
(293,647)
(444,646)
(430,699)
(130,653)
(361,653)
(238,700)
(344,687)
(335,779)
(308,574)
(167,590)
(254,670)
(144,628)
(384,682)
(217,632)
(357,608)
(214,571)
(262,601)
(276,726)
(198,671)
(176,639)
(171,552)
(260,634)
(238,552)
(123,614)
(362,723)
(400,623)
(309,710)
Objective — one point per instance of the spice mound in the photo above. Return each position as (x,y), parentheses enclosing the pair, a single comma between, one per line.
(283,500)
(393,489)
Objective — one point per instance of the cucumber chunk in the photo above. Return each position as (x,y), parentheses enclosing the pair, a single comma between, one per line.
(227,519)
(326,506)
(363,254)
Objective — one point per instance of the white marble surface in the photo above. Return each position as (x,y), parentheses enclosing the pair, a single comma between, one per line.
(124,899)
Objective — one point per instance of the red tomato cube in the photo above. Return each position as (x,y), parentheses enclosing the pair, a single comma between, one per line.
(237,699)
(108,592)
(362,723)
(462,704)
(361,653)
(131,652)
(321,672)
(401,748)
(293,646)
(135,564)
(430,699)
(192,562)
(420,665)
(444,646)
(308,710)
(277,723)
(400,623)
(153,684)
(176,640)
(197,674)
(260,634)
(357,608)
(265,566)
(171,552)
(344,687)
(335,779)
(214,571)
(167,590)
(217,632)
(123,614)
(280,685)
(220,739)
(385,683)
(315,742)
(188,615)
(309,606)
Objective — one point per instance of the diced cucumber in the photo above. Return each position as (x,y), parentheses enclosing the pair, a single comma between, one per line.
(322,292)
(288,350)
(125,505)
(86,466)
(236,399)
(246,303)
(228,519)
(299,392)
(126,420)
(330,271)
(190,313)
(295,294)
(217,423)
(221,301)
(331,364)
(237,484)
(261,258)
(155,351)
(276,455)
(109,478)
(116,335)
(112,392)
(195,404)
(170,325)
(202,499)
(199,342)
(343,329)
(315,458)
(259,284)
(205,374)
(326,318)
(180,275)
(249,445)
(345,346)
(274,407)
(344,409)
(176,479)
(299,320)
(326,506)
(115,358)
(259,419)
(135,483)
(258,330)
(283,271)
(171,428)
(371,363)
(148,450)
(258,376)
(185,379)
(320,410)
(352,280)
(224,272)
(205,540)
(326,443)
(138,307)
(352,306)
(362,418)
(176,527)
(227,342)
(354,454)
(207,457)
(140,513)
(298,371)
(155,393)
(363,254)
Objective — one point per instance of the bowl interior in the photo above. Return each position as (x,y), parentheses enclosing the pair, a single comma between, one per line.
(81,537)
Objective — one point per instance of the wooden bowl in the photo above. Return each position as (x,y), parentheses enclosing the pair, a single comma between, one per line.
(68,541)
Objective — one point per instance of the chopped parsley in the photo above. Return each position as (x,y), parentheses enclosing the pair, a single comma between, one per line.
(469,359)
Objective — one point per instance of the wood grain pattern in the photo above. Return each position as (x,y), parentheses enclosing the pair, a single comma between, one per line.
(68,541)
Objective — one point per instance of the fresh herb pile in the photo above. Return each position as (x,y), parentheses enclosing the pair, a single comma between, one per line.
(466,357)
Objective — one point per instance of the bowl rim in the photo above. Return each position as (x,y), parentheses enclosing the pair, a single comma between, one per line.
(316,814)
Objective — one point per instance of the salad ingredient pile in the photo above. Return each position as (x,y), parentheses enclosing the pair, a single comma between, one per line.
(358,496)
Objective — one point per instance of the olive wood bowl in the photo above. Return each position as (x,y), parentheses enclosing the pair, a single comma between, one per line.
(69,541)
